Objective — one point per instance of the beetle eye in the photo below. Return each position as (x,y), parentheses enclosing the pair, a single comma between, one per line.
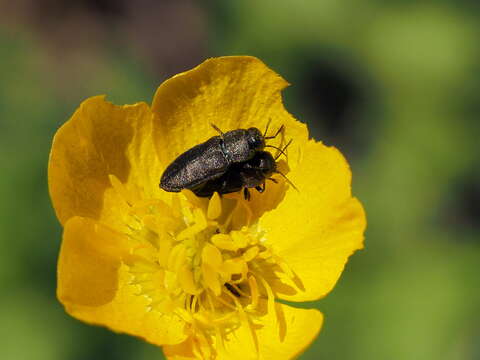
(255,139)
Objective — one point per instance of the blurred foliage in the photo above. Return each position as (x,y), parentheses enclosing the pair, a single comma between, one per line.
(392,84)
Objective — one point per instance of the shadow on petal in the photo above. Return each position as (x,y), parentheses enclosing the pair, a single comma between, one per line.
(88,263)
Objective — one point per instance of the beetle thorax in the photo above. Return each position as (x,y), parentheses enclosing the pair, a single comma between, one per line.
(240,145)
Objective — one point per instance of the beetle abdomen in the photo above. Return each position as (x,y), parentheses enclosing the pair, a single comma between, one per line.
(201,163)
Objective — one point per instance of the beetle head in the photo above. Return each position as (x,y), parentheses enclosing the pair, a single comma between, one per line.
(256,141)
(264,162)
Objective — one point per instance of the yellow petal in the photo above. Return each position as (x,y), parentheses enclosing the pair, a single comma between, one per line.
(88,263)
(325,224)
(297,329)
(181,351)
(99,140)
(231,92)
(94,286)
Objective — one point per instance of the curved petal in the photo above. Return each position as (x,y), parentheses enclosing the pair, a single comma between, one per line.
(316,229)
(88,263)
(284,335)
(231,92)
(94,287)
(182,351)
(99,140)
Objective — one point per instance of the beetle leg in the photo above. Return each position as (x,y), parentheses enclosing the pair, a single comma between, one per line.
(273,180)
(282,151)
(260,189)
(216,128)
(276,134)
(246,194)
(266,128)
(278,149)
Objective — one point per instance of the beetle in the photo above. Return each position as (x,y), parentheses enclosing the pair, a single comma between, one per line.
(252,173)
(212,158)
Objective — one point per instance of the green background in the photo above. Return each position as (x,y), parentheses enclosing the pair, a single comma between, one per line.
(393,84)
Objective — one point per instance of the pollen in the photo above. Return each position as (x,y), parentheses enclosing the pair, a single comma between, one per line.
(204,260)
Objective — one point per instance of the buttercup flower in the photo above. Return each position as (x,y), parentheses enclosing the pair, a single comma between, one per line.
(200,277)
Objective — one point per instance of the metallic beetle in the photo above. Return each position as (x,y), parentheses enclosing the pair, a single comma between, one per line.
(245,175)
(213,158)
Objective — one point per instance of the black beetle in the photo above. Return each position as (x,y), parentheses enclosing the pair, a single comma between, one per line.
(248,174)
(211,159)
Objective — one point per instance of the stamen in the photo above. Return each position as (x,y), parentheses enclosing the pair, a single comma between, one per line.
(210,279)
(284,266)
(184,315)
(241,215)
(239,291)
(265,254)
(252,282)
(164,250)
(232,289)
(246,323)
(234,266)
(214,207)
(218,335)
(176,257)
(200,224)
(239,239)
(176,207)
(251,253)
(199,262)
(137,281)
(193,304)
(270,299)
(120,189)
(204,347)
(212,256)
(227,318)
(224,242)
(219,299)
(140,265)
(185,277)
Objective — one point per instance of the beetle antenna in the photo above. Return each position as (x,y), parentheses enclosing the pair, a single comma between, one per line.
(286,179)
(278,149)
(274,136)
(216,128)
(266,129)
(283,150)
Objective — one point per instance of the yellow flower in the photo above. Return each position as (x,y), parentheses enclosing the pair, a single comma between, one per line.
(199,277)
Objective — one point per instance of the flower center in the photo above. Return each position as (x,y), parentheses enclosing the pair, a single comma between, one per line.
(205,260)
